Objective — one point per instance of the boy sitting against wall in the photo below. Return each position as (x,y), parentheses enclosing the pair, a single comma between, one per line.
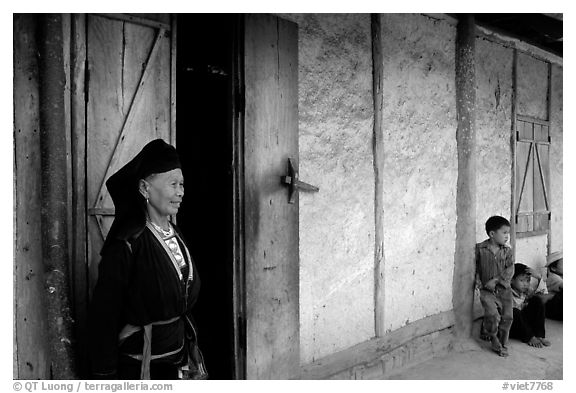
(529,309)
(494,270)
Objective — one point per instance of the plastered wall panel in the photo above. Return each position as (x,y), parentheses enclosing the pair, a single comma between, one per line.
(531,251)
(493,132)
(336,224)
(532,86)
(556,160)
(420,169)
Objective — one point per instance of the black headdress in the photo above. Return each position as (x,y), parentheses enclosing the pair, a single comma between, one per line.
(130,206)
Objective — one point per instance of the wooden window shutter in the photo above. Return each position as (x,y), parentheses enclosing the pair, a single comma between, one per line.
(533,211)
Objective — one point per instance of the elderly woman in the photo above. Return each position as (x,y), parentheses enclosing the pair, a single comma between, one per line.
(140,317)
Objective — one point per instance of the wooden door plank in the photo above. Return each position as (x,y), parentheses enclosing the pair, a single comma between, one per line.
(130,117)
(128,105)
(525,177)
(540,175)
(271,137)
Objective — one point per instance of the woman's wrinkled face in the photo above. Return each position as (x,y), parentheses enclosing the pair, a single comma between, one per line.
(165,192)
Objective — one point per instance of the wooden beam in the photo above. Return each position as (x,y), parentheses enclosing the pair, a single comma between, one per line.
(79,239)
(531,119)
(549,113)
(513,138)
(173,50)
(31,349)
(464,264)
(378,163)
(238,253)
(55,195)
(137,20)
(522,235)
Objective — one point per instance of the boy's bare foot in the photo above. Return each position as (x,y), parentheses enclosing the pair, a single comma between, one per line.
(485,337)
(535,342)
(503,352)
(544,342)
(498,348)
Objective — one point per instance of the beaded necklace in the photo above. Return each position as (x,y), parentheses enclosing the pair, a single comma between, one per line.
(170,240)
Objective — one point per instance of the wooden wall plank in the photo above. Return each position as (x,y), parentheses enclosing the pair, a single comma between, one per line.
(271,137)
(30,310)
(78,149)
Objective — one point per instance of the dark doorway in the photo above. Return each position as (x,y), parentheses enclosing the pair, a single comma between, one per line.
(204,141)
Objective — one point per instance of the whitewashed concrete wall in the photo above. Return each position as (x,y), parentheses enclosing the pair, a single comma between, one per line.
(557,159)
(532,251)
(493,125)
(420,169)
(336,114)
(336,224)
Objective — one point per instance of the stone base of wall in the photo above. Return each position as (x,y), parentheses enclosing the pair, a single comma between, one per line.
(380,358)
(416,351)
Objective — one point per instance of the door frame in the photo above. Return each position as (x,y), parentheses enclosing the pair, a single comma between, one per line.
(238,186)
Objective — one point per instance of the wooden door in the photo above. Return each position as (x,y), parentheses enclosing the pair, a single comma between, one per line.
(532,177)
(129,102)
(271,223)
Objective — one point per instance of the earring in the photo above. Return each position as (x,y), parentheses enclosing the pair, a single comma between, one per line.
(147,198)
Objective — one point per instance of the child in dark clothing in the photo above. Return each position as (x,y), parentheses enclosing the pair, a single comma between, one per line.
(555,285)
(529,310)
(494,270)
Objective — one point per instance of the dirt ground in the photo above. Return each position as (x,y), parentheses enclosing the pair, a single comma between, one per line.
(475,360)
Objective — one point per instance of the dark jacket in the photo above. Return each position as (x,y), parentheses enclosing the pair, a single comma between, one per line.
(137,285)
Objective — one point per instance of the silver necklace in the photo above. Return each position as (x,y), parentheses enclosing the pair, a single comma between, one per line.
(162,231)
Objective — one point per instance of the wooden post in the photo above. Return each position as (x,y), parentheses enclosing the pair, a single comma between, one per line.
(464,264)
(31,349)
(54,216)
(378,163)
(513,150)
(549,116)
(79,270)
